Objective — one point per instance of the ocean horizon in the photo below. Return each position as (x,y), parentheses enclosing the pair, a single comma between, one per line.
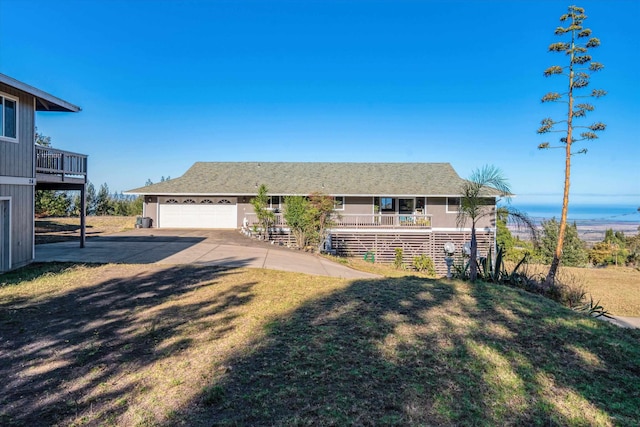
(581,212)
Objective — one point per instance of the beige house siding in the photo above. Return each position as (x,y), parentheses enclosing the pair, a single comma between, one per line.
(151,209)
(354,205)
(357,206)
(244,208)
(437,206)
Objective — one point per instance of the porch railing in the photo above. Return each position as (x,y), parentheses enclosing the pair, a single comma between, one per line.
(378,221)
(61,163)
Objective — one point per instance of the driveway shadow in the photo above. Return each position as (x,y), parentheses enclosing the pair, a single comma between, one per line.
(117,249)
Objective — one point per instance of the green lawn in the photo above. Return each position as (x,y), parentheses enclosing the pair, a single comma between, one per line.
(152,345)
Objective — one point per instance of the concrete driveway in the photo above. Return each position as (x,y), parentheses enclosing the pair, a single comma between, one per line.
(201,247)
(625,322)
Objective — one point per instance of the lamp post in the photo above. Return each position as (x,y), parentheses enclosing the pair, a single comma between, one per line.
(449,250)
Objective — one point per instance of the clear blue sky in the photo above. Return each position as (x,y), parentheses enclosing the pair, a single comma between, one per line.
(163,84)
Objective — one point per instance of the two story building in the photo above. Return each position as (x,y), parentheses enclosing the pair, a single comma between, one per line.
(25,167)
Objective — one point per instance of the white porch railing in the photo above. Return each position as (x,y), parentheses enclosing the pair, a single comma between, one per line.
(377,221)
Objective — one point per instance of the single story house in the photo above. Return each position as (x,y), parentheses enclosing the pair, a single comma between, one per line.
(25,167)
(379,206)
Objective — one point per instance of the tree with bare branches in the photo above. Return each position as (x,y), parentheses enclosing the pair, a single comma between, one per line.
(576,44)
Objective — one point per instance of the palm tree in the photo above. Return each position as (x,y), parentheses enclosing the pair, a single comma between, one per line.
(477,201)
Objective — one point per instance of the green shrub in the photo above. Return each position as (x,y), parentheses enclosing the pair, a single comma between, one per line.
(397,261)
(424,264)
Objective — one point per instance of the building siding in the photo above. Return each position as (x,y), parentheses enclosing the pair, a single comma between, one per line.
(358,206)
(361,205)
(21,226)
(437,206)
(17,161)
(151,209)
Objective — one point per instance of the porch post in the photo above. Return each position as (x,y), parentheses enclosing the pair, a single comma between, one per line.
(83,212)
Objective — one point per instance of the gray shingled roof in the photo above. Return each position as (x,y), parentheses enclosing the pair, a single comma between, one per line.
(287,178)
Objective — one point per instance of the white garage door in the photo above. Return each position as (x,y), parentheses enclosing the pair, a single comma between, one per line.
(198,216)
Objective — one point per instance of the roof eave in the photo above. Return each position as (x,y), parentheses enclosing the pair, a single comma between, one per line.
(44,100)
(184,193)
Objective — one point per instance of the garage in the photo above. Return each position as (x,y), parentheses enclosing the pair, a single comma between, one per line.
(198,213)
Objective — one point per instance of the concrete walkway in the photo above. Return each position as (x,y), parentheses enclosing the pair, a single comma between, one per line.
(198,247)
(625,322)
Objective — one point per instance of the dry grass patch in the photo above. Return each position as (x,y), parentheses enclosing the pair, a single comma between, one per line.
(387,270)
(133,345)
(126,344)
(617,288)
(51,230)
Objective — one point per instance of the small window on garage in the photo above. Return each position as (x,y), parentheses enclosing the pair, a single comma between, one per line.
(189,202)
(207,202)
(172,202)
(224,202)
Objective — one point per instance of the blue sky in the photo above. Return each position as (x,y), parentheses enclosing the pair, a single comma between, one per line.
(164,84)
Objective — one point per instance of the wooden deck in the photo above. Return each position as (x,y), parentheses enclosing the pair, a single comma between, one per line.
(58,167)
(63,171)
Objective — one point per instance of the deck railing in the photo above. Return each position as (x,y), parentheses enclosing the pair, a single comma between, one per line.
(377,221)
(61,163)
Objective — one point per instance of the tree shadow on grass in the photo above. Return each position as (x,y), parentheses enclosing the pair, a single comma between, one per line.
(411,351)
(55,351)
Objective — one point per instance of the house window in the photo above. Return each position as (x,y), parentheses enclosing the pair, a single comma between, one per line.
(405,205)
(274,203)
(8,118)
(387,204)
(338,203)
(453,204)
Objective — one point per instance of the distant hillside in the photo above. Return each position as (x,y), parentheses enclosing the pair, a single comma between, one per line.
(592,231)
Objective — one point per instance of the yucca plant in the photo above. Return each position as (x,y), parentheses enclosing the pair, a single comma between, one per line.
(496,272)
(592,309)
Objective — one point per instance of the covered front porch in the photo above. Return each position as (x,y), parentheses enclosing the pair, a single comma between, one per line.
(378,221)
